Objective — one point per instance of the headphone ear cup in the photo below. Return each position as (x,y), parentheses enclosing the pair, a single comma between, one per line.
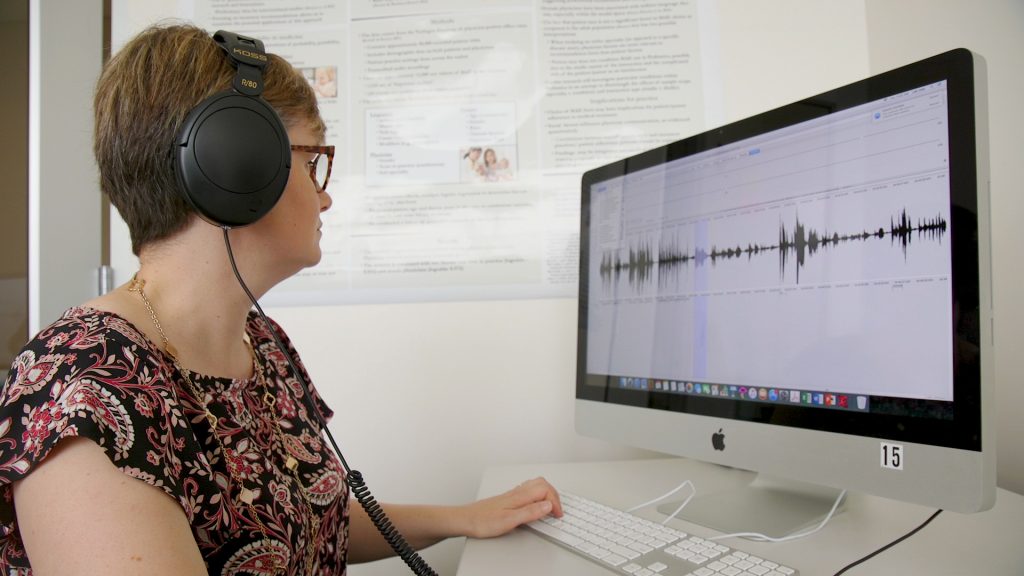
(232,159)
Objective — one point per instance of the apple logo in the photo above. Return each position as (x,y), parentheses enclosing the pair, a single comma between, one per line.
(718,440)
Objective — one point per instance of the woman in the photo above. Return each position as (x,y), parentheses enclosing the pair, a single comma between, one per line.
(490,165)
(158,429)
(472,158)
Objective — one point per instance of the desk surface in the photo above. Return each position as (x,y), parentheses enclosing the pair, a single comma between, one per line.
(987,543)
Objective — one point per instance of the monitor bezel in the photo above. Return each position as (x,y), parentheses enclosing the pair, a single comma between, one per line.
(964,430)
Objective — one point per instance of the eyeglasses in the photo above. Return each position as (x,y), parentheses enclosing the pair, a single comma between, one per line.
(320,165)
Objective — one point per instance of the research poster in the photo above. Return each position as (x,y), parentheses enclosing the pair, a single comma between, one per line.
(463,127)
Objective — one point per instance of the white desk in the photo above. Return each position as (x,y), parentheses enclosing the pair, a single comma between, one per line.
(989,543)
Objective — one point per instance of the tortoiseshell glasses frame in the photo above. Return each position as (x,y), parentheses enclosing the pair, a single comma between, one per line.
(320,165)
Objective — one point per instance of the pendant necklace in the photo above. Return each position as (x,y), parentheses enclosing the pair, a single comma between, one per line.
(245,494)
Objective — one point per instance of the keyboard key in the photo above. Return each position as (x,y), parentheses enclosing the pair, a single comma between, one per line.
(657,567)
(642,548)
(613,559)
(628,553)
(586,546)
(556,533)
(685,554)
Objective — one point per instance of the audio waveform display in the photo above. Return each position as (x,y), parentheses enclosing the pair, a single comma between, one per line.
(797,243)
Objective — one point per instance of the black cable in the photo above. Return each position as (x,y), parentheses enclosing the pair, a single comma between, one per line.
(891,544)
(353,478)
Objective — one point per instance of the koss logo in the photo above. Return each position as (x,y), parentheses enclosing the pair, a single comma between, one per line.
(718,440)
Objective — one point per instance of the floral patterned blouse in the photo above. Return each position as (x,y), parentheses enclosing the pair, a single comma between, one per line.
(94,375)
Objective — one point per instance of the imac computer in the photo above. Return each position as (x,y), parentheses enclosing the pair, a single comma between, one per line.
(804,294)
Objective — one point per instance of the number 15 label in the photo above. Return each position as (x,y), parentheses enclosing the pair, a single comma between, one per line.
(892,456)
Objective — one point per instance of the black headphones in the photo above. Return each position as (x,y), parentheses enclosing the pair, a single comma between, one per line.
(232,156)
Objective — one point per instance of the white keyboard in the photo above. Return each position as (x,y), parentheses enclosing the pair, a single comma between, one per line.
(628,544)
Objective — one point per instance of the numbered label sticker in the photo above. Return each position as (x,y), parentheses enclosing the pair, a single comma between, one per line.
(892,456)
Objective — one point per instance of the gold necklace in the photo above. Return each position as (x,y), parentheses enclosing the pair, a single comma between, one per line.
(245,495)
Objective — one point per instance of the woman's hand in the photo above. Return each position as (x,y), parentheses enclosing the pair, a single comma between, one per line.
(424,526)
(531,500)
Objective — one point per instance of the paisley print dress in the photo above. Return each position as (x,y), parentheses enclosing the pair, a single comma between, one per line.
(93,375)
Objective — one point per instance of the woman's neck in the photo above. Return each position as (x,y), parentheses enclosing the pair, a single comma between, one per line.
(190,288)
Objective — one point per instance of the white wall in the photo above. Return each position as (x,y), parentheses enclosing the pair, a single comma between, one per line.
(908,30)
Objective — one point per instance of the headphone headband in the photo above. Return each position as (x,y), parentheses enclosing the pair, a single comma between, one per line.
(249,58)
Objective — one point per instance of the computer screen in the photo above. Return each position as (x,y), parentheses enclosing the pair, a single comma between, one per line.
(804,293)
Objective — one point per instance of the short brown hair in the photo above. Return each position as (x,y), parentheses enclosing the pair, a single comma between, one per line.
(142,98)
